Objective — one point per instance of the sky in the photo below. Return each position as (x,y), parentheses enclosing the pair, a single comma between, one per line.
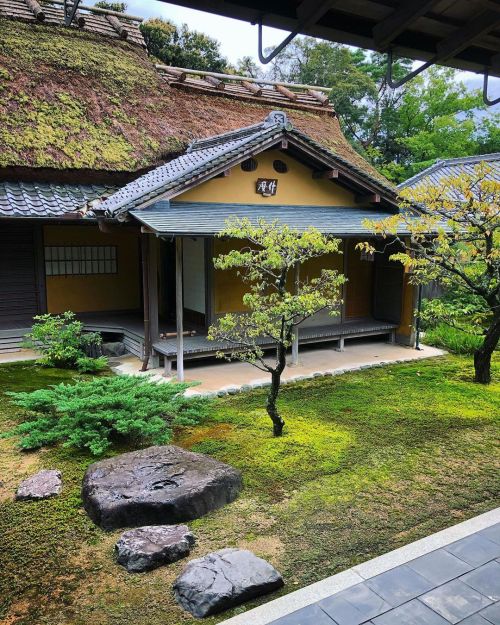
(238,38)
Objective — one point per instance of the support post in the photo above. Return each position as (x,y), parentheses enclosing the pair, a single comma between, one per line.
(153,296)
(179,309)
(145,297)
(295,340)
(340,347)
(168,367)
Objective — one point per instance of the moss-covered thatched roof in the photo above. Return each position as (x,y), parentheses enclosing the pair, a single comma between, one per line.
(72,100)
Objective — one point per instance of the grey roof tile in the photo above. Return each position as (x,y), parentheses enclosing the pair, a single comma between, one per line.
(453,167)
(202,218)
(43,199)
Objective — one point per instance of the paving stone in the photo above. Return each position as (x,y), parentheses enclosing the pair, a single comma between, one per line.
(439,566)
(42,485)
(486,580)
(492,614)
(310,615)
(354,605)
(455,600)
(474,550)
(475,619)
(411,613)
(492,533)
(399,585)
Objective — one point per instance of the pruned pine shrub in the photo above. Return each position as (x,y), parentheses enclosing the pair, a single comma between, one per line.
(97,413)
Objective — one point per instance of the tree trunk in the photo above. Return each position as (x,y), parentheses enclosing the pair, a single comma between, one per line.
(271,407)
(482,356)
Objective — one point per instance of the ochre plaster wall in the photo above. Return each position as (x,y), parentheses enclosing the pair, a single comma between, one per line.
(88,293)
(297,186)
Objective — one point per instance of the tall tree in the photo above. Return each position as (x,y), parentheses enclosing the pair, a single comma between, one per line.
(401,131)
(181,47)
(454,237)
(276,302)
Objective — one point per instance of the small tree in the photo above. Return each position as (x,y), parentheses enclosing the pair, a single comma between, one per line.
(276,303)
(455,238)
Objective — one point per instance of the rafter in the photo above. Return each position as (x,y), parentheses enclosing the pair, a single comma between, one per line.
(388,29)
(467,34)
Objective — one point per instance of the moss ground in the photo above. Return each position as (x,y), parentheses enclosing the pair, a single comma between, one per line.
(369,461)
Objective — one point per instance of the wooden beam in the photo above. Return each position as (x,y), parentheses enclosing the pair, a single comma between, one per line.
(291,95)
(215,82)
(36,9)
(295,339)
(399,20)
(371,198)
(330,174)
(252,87)
(117,26)
(311,11)
(322,98)
(179,308)
(465,36)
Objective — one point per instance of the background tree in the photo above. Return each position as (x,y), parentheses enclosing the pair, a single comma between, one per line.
(462,213)
(119,7)
(401,131)
(181,47)
(275,302)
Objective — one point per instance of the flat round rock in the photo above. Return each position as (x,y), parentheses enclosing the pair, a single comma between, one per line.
(157,486)
(41,485)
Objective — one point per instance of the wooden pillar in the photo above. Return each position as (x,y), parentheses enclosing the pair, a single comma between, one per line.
(179,308)
(146,300)
(153,296)
(295,340)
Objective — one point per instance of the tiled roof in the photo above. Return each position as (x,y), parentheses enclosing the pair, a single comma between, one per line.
(39,199)
(54,15)
(201,157)
(183,218)
(209,155)
(240,87)
(453,167)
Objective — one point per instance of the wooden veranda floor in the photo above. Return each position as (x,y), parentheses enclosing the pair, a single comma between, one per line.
(129,327)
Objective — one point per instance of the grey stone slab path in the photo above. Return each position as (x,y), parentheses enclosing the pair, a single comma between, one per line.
(451,577)
(459,583)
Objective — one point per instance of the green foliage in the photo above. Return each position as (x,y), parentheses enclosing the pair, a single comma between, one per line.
(377,474)
(94,414)
(119,7)
(401,131)
(452,339)
(454,238)
(63,342)
(86,364)
(181,47)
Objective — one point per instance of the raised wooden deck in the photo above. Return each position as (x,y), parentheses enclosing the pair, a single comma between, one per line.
(129,327)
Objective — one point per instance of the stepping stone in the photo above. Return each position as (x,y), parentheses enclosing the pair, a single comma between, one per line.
(157,486)
(223,579)
(146,548)
(44,484)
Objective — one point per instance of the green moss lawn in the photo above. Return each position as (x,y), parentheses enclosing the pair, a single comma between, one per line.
(370,461)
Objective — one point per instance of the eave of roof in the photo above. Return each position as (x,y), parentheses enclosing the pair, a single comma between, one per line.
(209,218)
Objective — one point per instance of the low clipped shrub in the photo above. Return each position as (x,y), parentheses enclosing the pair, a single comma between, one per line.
(96,413)
(452,339)
(64,344)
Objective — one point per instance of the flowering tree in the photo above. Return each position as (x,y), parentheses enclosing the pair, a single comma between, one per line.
(275,303)
(454,237)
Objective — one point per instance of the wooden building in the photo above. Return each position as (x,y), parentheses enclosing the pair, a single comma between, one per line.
(116,175)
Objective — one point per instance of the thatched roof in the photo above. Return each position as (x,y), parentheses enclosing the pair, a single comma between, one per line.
(73,101)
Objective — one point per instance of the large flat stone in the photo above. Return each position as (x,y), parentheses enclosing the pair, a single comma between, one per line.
(146,548)
(46,483)
(157,486)
(223,579)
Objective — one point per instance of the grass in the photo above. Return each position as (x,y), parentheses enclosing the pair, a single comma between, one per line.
(370,461)
(453,339)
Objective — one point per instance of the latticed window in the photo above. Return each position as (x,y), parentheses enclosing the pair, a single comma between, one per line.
(77,260)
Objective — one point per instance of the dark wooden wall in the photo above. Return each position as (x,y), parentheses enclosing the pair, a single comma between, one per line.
(22,288)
